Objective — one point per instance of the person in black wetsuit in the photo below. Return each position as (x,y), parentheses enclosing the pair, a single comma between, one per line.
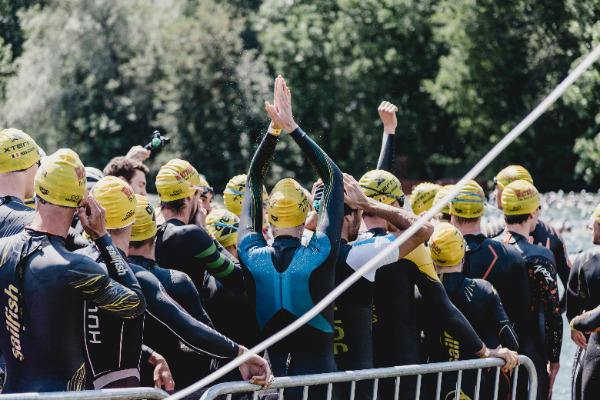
(16,179)
(543,234)
(45,285)
(181,241)
(354,308)
(583,299)
(396,338)
(481,305)
(520,204)
(113,354)
(181,288)
(284,280)
(488,259)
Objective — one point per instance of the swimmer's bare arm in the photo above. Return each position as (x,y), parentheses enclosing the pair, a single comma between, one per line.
(398,217)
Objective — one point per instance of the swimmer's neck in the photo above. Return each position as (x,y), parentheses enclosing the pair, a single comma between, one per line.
(295,232)
(521,229)
(13,184)
(373,222)
(146,251)
(120,238)
(473,228)
(52,219)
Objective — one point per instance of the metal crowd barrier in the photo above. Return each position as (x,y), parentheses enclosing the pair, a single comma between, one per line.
(104,394)
(306,381)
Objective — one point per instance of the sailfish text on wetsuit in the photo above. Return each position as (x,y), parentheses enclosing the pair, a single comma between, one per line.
(13,325)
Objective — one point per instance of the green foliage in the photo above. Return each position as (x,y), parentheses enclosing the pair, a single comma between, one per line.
(100,76)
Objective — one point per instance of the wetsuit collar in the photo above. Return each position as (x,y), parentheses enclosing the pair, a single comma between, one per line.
(33,232)
(517,236)
(143,262)
(286,237)
(8,199)
(452,282)
(378,231)
(474,241)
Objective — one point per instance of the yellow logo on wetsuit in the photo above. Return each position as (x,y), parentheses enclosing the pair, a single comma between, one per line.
(13,326)
(453,347)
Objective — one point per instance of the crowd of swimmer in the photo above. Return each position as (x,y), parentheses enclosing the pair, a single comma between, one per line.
(101,290)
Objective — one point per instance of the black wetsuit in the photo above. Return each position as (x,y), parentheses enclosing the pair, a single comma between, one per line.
(354,308)
(545,329)
(188,248)
(284,280)
(165,316)
(583,294)
(481,305)
(505,269)
(396,336)
(15,215)
(179,356)
(44,347)
(543,235)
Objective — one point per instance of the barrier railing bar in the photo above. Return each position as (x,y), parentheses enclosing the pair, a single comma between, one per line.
(353,390)
(305,393)
(514,388)
(478,384)
(280,395)
(104,394)
(255,396)
(375,388)
(329,390)
(418,389)
(458,386)
(438,386)
(397,388)
(229,396)
(379,373)
(496,384)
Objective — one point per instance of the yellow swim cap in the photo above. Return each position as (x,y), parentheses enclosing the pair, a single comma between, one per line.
(382,186)
(440,195)
(469,202)
(18,151)
(144,226)
(288,205)
(233,196)
(204,184)
(520,197)
(510,174)
(446,245)
(60,180)
(596,215)
(118,199)
(223,225)
(421,198)
(176,180)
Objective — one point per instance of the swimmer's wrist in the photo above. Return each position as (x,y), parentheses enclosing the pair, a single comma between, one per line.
(484,352)
(242,350)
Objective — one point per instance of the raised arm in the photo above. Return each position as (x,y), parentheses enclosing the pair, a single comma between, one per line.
(331,209)
(387,112)
(251,218)
(589,321)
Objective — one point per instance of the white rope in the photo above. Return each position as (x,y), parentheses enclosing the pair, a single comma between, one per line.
(484,162)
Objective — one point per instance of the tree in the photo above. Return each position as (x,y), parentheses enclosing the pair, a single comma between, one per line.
(100,76)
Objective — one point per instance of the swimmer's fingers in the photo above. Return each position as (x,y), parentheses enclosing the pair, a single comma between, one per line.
(579,339)
(93,218)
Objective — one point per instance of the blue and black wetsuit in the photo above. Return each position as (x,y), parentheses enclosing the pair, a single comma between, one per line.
(545,329)
(285,279)
(480,304)
(583,294)
(45,287)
